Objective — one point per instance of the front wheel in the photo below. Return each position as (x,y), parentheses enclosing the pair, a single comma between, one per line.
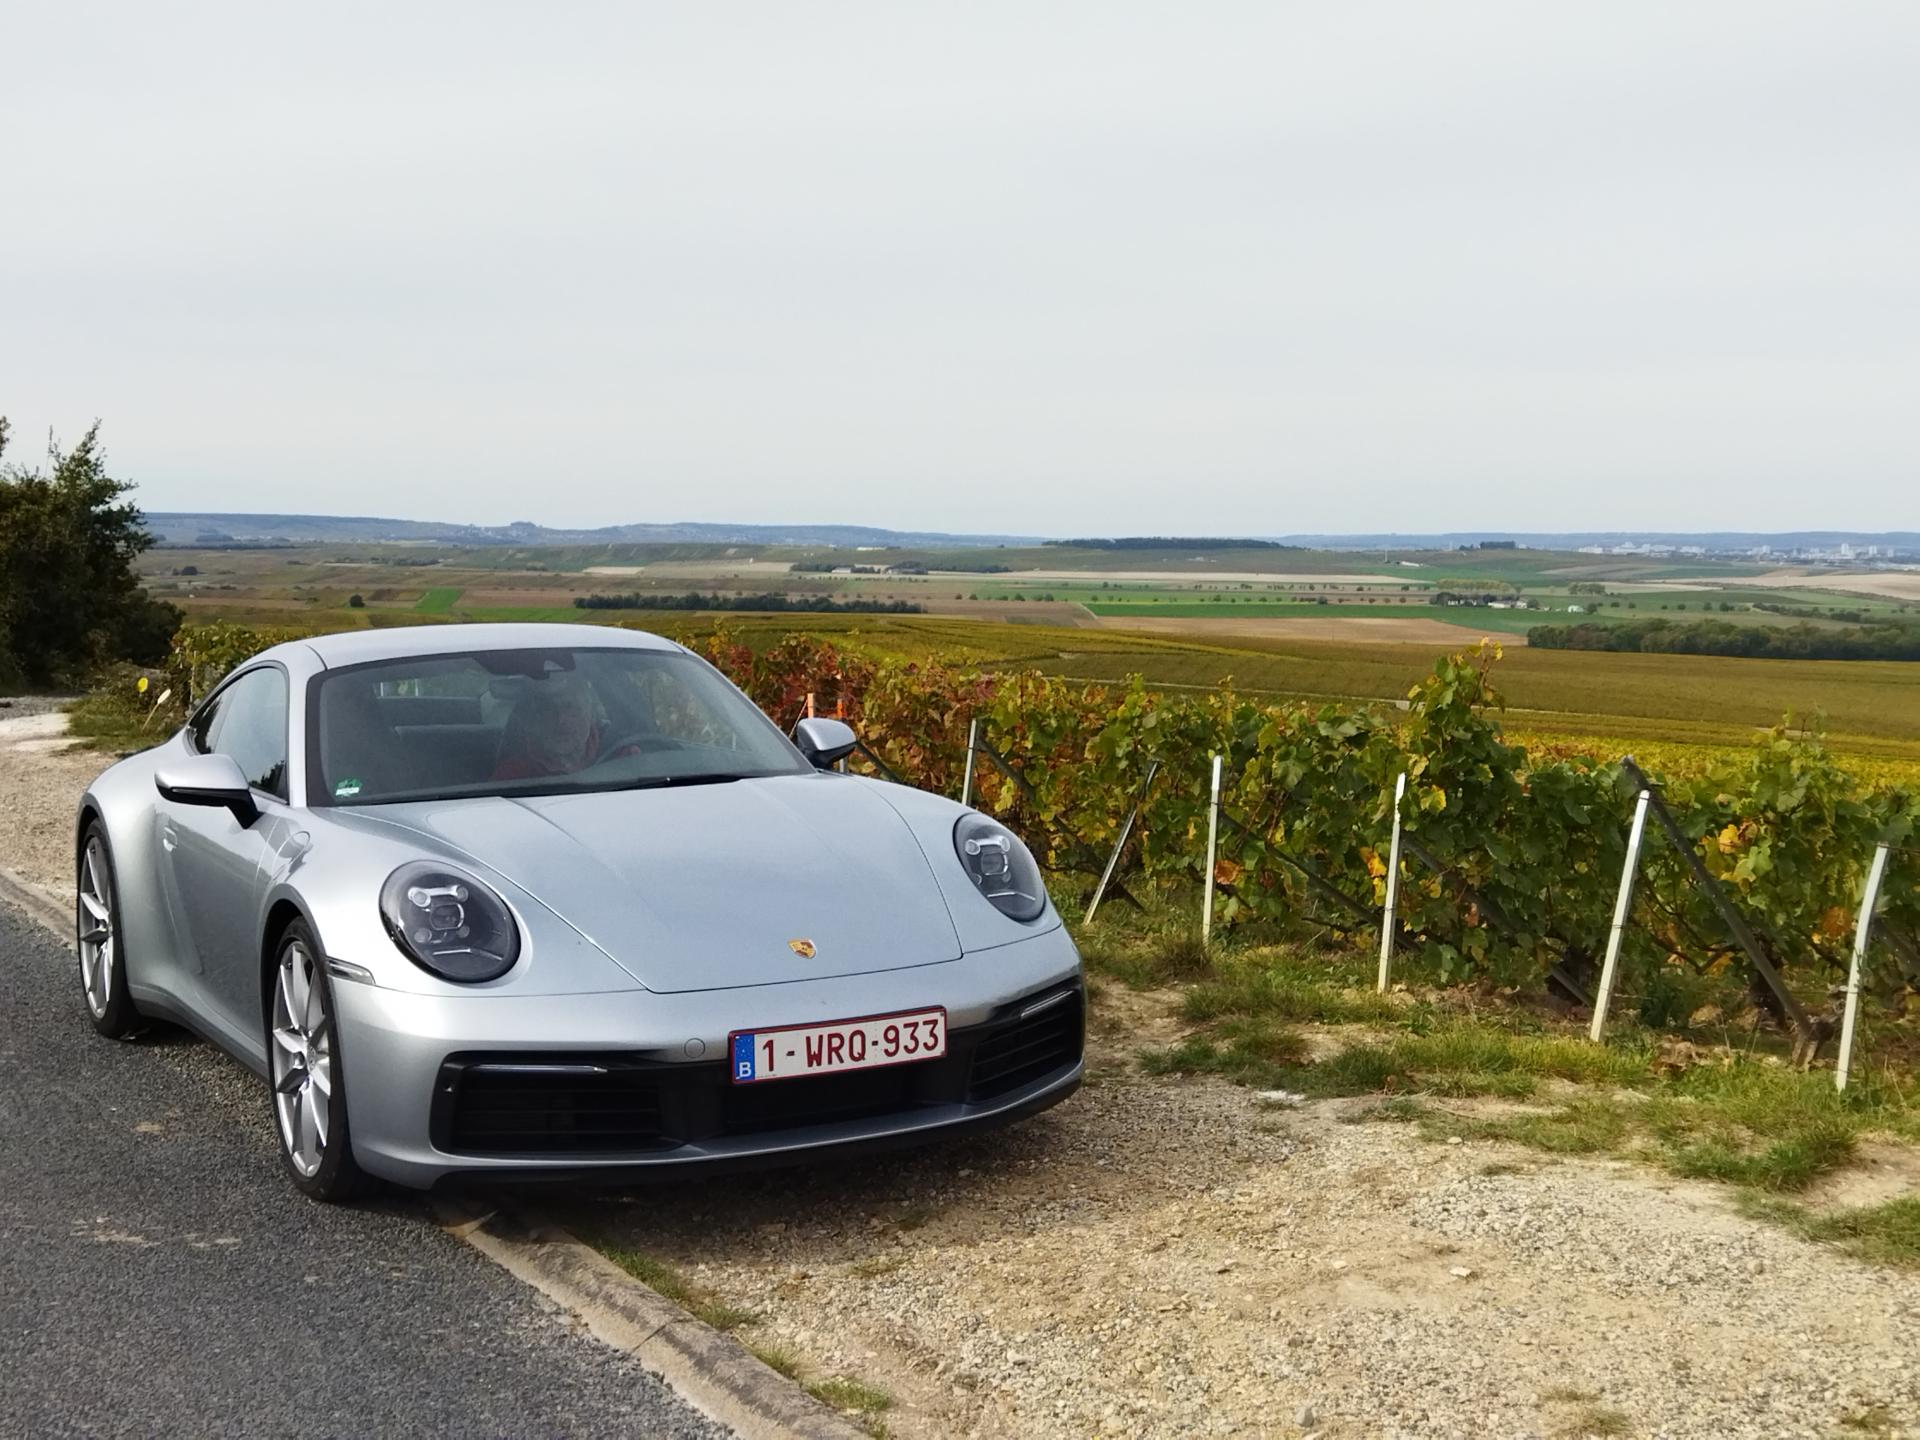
(96,935)
(308,1091)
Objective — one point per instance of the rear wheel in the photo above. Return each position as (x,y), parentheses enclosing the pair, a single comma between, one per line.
(308,1092)
(96,914)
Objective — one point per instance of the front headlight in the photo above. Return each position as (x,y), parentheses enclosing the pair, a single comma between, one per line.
(449,923)
(1000,867)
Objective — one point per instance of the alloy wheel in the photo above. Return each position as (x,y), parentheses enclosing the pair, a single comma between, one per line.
(96,935)
(302,1060)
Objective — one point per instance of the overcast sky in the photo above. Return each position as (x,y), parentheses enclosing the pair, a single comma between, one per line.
(1060,268)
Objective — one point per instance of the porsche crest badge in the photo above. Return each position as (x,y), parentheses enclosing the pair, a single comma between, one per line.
(805,949)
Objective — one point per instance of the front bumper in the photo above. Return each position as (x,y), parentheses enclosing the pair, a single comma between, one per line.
(610,1086)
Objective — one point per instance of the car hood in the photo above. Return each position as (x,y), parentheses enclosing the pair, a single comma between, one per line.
(709,887)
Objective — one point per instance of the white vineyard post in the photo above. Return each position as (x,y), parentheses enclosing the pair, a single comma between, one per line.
(973,744)
(1213,840)
(1862,932)
(1393,886)
(1622,908)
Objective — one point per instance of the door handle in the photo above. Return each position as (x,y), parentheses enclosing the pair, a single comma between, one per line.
(169,838)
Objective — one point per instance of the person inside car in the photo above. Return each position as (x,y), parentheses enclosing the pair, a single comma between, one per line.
(551,731)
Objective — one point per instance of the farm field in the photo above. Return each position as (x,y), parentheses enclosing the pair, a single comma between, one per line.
(1055,585)
(1234,616)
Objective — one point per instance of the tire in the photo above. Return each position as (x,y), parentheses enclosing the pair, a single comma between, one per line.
(96,939)
(306,1092)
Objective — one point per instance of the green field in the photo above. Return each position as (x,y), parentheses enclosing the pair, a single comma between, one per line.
(1471,619)
(1870,709)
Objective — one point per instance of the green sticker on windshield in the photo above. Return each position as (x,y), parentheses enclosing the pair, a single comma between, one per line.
(345,789)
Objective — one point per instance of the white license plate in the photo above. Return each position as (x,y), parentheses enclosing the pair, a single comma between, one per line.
(791,1051)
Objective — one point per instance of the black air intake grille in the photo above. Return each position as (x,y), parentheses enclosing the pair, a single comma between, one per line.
(516,1109)
(1024,1050)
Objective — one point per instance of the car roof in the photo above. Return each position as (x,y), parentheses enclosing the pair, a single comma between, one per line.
(356,647)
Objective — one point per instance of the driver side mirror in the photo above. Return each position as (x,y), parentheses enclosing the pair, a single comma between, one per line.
(207,780)
(825,742)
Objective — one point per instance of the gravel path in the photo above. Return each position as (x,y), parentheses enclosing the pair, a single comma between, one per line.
(41,777)
(1173,1260)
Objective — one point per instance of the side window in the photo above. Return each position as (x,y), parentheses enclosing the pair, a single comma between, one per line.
(248,720)
(200,728)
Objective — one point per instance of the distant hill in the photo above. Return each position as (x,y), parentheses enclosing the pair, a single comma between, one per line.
(1901,540)
(196,528)
(216,528)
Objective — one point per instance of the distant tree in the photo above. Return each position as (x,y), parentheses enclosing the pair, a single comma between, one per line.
(69,599)
(188,570)
(356,602)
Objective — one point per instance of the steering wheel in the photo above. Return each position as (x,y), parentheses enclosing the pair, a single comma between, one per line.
(638,742)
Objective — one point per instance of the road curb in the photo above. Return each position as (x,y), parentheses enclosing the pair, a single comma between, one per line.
(38,904)
(714,1371)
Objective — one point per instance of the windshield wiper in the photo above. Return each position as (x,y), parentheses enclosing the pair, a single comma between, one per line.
(661,782)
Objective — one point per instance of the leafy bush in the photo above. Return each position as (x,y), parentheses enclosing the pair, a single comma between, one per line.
(69,600)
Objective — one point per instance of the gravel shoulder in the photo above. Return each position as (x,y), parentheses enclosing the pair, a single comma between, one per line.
(1166,1258)
(41,776)
(1173,1259)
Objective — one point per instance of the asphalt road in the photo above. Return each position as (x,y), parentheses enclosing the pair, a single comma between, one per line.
(158,1276)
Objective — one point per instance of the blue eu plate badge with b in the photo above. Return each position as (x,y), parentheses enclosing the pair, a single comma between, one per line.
(743,1057)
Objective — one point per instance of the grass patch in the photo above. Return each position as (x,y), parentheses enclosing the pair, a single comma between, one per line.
(1250,1051)
(1887,1234)
(658,1275)
(783,1362)
(1255,985)
(1161,951)
(1790,1163)
(876,1267)
(1463,1058)
(118,721)
(1400,1110)
(1595,1420)
(1874,1420)
(438,601)
(1752,1123)
(843,1392)
(1585,1127)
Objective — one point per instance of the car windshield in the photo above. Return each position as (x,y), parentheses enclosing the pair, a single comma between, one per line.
(532,722)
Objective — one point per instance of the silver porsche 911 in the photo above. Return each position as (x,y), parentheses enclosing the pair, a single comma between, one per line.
(525,900)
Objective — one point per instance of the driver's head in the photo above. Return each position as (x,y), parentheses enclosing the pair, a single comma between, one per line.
(559,723)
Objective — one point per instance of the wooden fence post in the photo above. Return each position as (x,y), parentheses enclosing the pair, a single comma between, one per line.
(1213,840)
(1622,908)
(1862,933)
(966,779)
(1393,887)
